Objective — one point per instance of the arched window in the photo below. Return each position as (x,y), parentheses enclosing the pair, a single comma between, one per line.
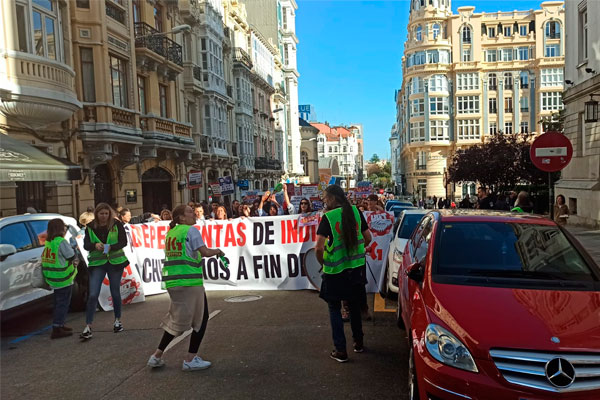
(466,34)
(508,80)
(436,30)
(336,149)
(304,157)
(345,149)
(492,82)
(330,149)
(552,30)
(419,33)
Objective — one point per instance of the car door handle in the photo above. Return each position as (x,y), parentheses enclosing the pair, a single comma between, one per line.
(32,260)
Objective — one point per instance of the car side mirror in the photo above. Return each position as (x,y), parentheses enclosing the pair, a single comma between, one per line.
(415,272)
(7,250)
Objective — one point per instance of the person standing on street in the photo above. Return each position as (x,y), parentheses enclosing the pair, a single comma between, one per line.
(342,237)
(182,277)
(484,202)
(523,204)
(59,267)
(105,239)
(561,210)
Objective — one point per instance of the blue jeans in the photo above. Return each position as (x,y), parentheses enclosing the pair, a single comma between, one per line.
(62,300)
(96,276)
(337,324)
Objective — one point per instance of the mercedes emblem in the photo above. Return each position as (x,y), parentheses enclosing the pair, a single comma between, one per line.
(560,372)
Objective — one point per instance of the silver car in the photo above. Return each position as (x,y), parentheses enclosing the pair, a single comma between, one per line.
(22,239)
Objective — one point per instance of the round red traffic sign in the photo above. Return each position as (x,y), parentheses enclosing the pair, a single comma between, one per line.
(551,151)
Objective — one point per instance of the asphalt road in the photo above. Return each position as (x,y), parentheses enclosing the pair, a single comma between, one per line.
(274,348)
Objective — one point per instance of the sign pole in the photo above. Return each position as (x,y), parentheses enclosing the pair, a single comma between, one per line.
(550,196)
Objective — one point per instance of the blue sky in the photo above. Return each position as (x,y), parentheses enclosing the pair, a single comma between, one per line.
(349,60)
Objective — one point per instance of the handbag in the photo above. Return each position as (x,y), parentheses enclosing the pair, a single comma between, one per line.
(37,278)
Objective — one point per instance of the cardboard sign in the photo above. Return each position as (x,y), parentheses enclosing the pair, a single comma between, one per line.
(227,187)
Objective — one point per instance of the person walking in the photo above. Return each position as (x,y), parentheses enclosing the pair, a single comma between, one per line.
(561,210)
(59,267)
(104,239)
(182,277)
(523,203)
(342,237)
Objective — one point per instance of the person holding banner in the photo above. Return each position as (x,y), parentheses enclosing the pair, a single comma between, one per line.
(105,239)
(305,206)
(342,237)
(182,277)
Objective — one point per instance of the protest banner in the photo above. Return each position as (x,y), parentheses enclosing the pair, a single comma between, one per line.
(194,179)
(227,186)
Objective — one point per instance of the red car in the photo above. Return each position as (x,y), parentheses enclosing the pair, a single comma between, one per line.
(499,306)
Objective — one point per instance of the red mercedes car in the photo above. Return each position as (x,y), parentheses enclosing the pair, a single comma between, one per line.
(499,306)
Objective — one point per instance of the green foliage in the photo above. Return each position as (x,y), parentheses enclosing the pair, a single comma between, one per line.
(374,159)
(380,177)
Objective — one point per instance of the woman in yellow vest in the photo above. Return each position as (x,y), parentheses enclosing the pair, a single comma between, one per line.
(59,269)
(342,237)
(182,277)
(104,239)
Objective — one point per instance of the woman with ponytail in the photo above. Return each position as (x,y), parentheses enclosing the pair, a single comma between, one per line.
(342,237)
(182,277)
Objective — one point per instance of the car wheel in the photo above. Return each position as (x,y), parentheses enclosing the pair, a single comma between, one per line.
(413,387)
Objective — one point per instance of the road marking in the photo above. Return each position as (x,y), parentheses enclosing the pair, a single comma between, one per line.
(379,305)
(188,332)
(20,339)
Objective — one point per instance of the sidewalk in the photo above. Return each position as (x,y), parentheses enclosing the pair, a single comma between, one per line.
(589,239)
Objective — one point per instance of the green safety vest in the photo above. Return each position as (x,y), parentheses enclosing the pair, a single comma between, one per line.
(180,269)
(114,257)
(56,274)
(337,257)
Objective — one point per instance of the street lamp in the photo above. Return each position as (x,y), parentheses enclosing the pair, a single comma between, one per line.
(591,110)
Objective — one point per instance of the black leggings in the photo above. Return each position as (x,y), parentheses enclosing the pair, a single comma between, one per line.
(195,338)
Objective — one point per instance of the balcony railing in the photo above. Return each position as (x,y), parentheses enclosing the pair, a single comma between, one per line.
(155,41)
(493,110)
(197,72)
(493,87)
(267,163)
(508,110)
(240,56)
(165,126)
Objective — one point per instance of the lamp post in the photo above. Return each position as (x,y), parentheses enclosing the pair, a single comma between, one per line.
(591,110)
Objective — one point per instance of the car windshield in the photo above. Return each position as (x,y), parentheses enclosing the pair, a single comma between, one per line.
(508,250)
(408,225)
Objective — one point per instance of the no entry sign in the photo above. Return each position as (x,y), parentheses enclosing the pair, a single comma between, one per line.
(551,151)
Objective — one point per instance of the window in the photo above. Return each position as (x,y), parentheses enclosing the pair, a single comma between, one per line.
(136,11)
(118,80)
(417,132)
(507,31)
(466,34)
(468,129)
(552,50)
(114,11)
(438,83)
(524,79)
(419,33)
(17,235)
(330,149)
(433,57)
(507,54)
(141,81)
(467,104)
(438,105)
(158,22)
(508,127)
(493,128)
(551,101)
(421,160)
(583,34)
(163,97)
(436,31)
(466,55)
(83,3)
(508,105)
(491,32)
(552,30)
(418,108)
(523,30)
(45,23)
(524,127)
(493,105)
(468,81)
(438,130)
(284,21)
(552,77)
(87,74)
(524,104)
(523,53)
(491,55)
(508,81)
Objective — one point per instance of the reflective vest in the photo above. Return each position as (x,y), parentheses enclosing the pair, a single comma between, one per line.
(180,269)
(114,257)
(337,257)
(57,275)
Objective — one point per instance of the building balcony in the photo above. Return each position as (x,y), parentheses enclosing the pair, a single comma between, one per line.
(434,67)
(265,163)
(241,58)
(153,47)
(165,132)
(36,89)
(192,77)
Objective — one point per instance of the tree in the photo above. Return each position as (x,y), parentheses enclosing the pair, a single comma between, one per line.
(379,176)
(374,159)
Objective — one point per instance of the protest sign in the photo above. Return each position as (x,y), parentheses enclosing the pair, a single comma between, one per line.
(226,184)
(216,189)
(194,179)
(310,191)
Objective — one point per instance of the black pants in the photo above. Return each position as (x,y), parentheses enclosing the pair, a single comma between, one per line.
(337,325)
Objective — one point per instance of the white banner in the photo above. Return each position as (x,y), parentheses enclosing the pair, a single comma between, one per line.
(263,253)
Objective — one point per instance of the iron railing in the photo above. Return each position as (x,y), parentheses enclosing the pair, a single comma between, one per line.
(240,56)
(148,37)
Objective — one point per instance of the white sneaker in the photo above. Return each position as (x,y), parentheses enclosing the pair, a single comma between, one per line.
(154,362)
(196,364)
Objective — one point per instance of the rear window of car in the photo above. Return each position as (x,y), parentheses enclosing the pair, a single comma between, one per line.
(508,250)
(409,222)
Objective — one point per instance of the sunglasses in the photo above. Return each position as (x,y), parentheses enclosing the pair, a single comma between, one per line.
(303,203)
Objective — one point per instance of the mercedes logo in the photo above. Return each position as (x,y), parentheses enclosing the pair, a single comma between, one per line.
(560,372)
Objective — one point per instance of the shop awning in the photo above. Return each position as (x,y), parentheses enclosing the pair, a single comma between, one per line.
(20,161)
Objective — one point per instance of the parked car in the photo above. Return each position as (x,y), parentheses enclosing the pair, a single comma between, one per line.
(22,239)
(390,203)
(397,209)
(405,224)
(499,306)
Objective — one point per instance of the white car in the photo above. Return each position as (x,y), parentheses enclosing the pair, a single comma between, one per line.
(22,239)
(406,223)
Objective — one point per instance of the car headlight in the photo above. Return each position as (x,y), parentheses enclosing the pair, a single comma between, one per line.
(447,349)
(397,256)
